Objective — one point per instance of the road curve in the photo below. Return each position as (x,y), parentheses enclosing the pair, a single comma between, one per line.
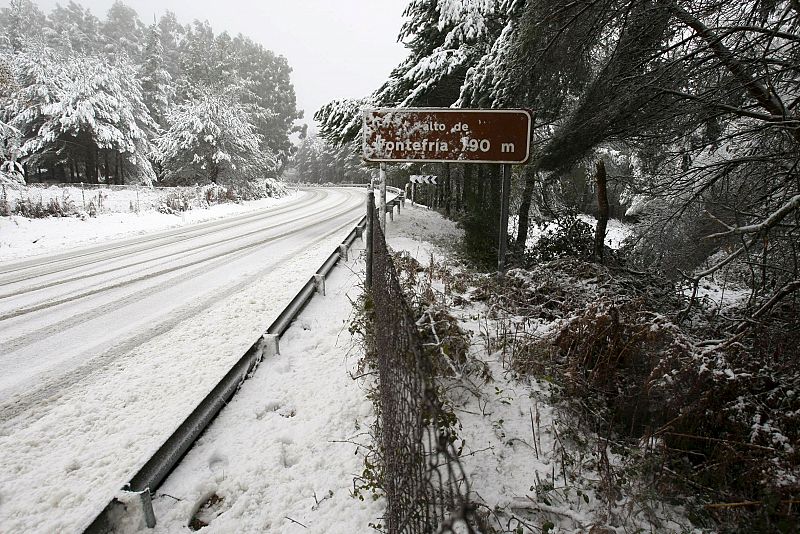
(105,349)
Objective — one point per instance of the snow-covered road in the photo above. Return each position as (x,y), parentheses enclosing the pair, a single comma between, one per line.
(106,349)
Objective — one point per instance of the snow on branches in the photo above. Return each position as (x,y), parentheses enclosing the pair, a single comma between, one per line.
(78,104)
(211,139)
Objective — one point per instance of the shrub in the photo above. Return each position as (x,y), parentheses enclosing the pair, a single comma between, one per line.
(5,208)
(722,411)
(175,202)
(567,237)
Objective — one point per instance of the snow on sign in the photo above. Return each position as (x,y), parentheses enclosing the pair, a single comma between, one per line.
(442,135)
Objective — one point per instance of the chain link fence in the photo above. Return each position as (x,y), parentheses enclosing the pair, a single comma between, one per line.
(423,480)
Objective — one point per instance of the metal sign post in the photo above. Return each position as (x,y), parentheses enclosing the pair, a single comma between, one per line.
(449,136)
(505,194)
(370,223)
(382,196)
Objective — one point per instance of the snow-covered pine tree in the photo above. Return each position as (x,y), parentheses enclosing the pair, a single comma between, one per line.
(445,38)
(11,170)
(81,118)
(171,33)
(18,22)
(123,32)
(196,53)
(157,89)
(73,27)
(270,97)
(211,140)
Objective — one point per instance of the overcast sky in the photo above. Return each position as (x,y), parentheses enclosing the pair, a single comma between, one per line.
(336,48)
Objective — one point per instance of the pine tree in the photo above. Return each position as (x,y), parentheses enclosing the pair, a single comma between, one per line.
(211,140)
(73,28)
(196,52)
(82,115)
(18,22)
(270,96)
(88,96)
(157,89)
(171,34)
(123,32)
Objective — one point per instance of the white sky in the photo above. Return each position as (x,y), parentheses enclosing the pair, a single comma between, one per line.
(336,48)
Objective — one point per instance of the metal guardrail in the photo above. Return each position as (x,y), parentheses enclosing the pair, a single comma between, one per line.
(168,456)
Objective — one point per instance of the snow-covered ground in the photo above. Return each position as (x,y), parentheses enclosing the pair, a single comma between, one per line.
(282,456)
(21,237)
(528,465)
(72,437)
(616,230)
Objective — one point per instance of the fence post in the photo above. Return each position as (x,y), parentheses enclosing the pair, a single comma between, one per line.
(83,197)
(370,223)
(270,345)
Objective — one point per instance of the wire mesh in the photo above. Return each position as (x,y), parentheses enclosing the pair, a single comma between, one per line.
(424,483)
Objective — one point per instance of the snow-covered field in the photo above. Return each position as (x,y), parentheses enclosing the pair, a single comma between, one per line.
(21,237)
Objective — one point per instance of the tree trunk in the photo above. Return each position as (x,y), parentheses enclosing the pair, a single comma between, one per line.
(107,168)
(91,163)
(602,212)
(525,206)
(460,189)
(448,195)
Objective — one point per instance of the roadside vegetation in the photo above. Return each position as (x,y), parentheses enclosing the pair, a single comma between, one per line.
(679,349)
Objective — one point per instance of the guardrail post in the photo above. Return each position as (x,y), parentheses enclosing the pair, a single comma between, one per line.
(343,252)
(391,212)
(147,508)
(270,345)
(319,282)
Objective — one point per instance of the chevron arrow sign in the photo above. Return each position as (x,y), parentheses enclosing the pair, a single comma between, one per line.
(423,179)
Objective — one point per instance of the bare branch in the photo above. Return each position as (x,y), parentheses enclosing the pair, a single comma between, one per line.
(766,99)
(772,220)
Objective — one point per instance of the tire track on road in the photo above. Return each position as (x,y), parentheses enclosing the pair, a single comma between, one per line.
(176,255)
(20,403)
(175,235)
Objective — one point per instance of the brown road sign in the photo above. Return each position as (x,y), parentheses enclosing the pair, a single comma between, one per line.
(442,135)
